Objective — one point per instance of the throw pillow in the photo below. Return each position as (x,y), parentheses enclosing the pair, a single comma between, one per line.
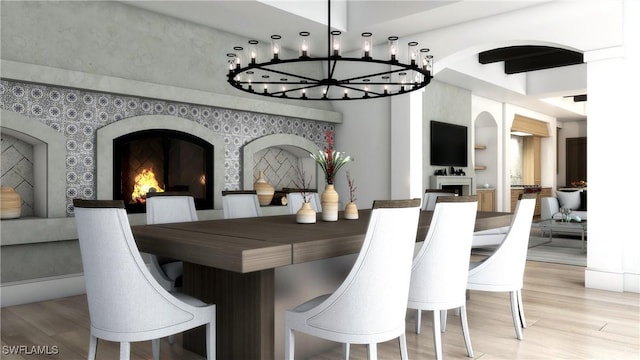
(583,200)
(568,199)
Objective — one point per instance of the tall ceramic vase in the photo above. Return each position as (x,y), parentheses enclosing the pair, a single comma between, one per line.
(306,214)
(264,190)
(329,202)
(11,203)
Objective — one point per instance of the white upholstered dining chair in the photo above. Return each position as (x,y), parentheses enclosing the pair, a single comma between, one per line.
(370,305)
(240,204)
(295,200)
(431,195)
(503,270)
(126,303)
(439,272)
(162,208)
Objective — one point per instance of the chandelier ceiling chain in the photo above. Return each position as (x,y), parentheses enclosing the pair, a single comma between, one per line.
(346,78)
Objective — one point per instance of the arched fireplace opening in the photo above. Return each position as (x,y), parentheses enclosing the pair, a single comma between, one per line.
(162,160)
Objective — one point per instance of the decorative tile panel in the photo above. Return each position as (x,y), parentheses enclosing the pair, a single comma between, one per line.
(79,113)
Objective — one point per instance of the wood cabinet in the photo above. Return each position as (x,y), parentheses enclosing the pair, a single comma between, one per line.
(545,192)
(486,199)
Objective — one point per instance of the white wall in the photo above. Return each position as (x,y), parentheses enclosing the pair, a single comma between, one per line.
(366,137)
(613,262)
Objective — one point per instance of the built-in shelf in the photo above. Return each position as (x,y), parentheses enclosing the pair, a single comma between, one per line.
(479,147)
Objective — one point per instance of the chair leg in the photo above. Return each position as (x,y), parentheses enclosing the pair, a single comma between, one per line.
(443,320)
(523,321)
(437,341)
(211,340)
(372,351)
(465,330)
(404,354)
(93,346)
(418,321)
(125,350)
(289,344)
(155,349)
(515,313)
(346,350)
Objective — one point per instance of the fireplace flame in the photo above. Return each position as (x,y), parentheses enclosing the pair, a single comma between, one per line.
(145,182)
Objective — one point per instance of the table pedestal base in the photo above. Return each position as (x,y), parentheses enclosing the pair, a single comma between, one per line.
(244,311)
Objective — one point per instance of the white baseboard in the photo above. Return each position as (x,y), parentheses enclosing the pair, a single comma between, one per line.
(603,280)
(632,282)
(24,292)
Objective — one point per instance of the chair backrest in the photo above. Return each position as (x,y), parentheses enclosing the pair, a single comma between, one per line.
(430,197)
(123,296)
(440,268)
(168,207)
(240,204)
(295,200)
(373,297)
(504,269)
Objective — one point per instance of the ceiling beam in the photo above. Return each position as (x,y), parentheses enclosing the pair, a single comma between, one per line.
(518,59)
(540,62)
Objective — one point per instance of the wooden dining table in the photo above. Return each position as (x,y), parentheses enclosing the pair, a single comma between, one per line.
(232,262)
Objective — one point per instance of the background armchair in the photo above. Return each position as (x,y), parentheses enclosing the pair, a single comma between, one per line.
(162,208)
(240,204)
(503,271)
(439,272)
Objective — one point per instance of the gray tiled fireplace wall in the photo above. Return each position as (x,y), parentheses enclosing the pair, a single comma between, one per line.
(77,115)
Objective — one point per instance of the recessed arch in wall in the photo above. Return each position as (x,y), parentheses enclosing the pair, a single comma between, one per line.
(49,162)
(486,141)
(107,134)
(297,145)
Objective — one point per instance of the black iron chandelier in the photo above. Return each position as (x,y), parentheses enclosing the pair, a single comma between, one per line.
(346,78)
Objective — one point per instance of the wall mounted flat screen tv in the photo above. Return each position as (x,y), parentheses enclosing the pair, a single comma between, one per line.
(448,144)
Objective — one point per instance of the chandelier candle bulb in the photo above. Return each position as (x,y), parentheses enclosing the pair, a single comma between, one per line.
(253,50)
(368,44)
(335,40)
(393,47)
(304,44)
(275,45)
(413,52)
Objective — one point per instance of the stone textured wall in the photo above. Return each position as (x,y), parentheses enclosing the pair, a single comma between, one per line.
(79,113)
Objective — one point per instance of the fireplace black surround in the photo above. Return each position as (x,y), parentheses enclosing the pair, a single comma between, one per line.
(177,161)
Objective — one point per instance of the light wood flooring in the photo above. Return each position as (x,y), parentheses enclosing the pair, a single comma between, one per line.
(565,321)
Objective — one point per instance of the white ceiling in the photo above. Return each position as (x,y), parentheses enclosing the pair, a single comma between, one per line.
(397,17)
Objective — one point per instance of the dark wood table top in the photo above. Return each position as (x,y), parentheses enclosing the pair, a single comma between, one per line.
(253,244)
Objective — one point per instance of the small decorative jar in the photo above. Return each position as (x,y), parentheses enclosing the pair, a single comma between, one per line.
(10,202)
(351,211)
(306,214)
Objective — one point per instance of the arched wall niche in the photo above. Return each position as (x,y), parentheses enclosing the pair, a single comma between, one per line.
(49,162)
(107,134)
(486,144)
(296,145)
